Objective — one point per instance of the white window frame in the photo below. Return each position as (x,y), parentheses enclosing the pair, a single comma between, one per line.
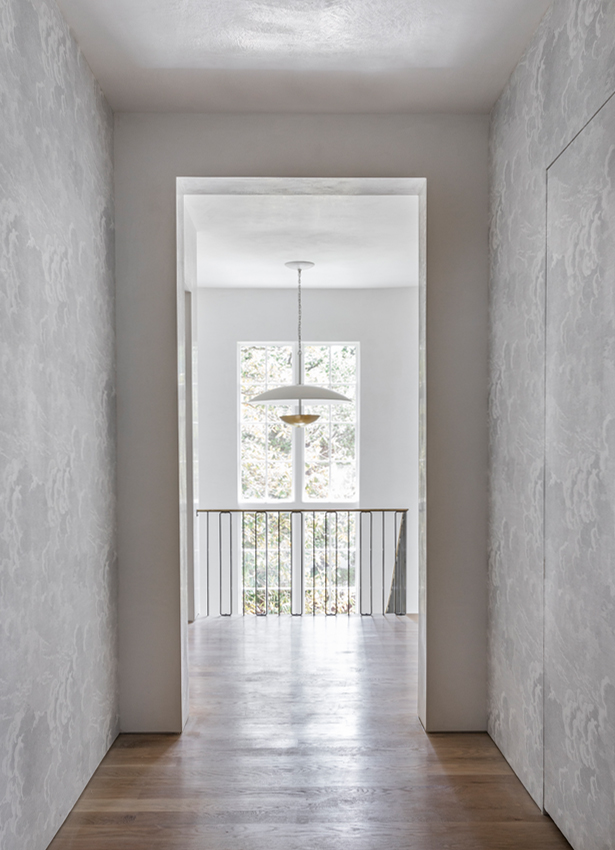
(298,499)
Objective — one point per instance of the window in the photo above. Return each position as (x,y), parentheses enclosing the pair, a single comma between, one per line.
(304,465)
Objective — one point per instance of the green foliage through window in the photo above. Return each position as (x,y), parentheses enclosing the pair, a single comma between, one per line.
(329,556)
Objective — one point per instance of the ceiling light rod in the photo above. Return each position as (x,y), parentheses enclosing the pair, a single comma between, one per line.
(299,265)
(299,391)
(300,418)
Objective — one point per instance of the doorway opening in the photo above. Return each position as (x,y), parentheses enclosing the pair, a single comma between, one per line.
(321,520)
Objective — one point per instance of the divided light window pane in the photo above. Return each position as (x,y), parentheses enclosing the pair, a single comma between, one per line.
(330,468)
(266,443)
(330,445)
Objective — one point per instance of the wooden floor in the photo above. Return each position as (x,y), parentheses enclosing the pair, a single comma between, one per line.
(303,735)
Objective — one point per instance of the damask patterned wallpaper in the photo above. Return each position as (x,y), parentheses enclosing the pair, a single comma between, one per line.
(580,488)
(565,76)
(58,582)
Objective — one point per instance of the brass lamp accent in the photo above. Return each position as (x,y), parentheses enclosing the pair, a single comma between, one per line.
(300,419)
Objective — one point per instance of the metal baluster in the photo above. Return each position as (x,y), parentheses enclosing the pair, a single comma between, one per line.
(383,560)
(394,577)
(292,514)
(263,614)
(266,563)
(230,515)
(348,562)
(255,563)
(371,564)
(360,559)
(220,561)
(398,606)
(208,563)
(291,565)
(403,564)
(279,571)
(336,561)
(243,562)
(302,557)
(397,582)
(313,563)
(326,518)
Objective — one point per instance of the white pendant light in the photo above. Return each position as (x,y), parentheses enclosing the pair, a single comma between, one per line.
(299,392)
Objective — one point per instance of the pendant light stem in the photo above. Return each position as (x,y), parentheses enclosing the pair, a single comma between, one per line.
(299,391)
(299,349)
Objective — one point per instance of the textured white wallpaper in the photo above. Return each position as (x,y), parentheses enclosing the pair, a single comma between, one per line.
(566,74)
(58,652)
(580,488)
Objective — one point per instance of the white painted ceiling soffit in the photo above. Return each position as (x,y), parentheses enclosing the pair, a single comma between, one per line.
(363,241)
(303,55)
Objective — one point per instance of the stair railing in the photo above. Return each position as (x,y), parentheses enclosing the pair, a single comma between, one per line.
(274,561)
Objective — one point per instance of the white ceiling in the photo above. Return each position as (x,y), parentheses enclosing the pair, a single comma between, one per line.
(356,241)
(303,55)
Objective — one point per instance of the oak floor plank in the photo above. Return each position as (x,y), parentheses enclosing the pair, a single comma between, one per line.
(303,733)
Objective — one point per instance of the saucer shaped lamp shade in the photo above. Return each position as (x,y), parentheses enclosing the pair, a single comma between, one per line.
(299,392)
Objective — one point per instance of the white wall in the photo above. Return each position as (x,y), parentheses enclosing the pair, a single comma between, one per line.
(384,322)
(451,152)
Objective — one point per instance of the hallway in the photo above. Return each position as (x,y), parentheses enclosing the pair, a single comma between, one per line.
(303,732)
